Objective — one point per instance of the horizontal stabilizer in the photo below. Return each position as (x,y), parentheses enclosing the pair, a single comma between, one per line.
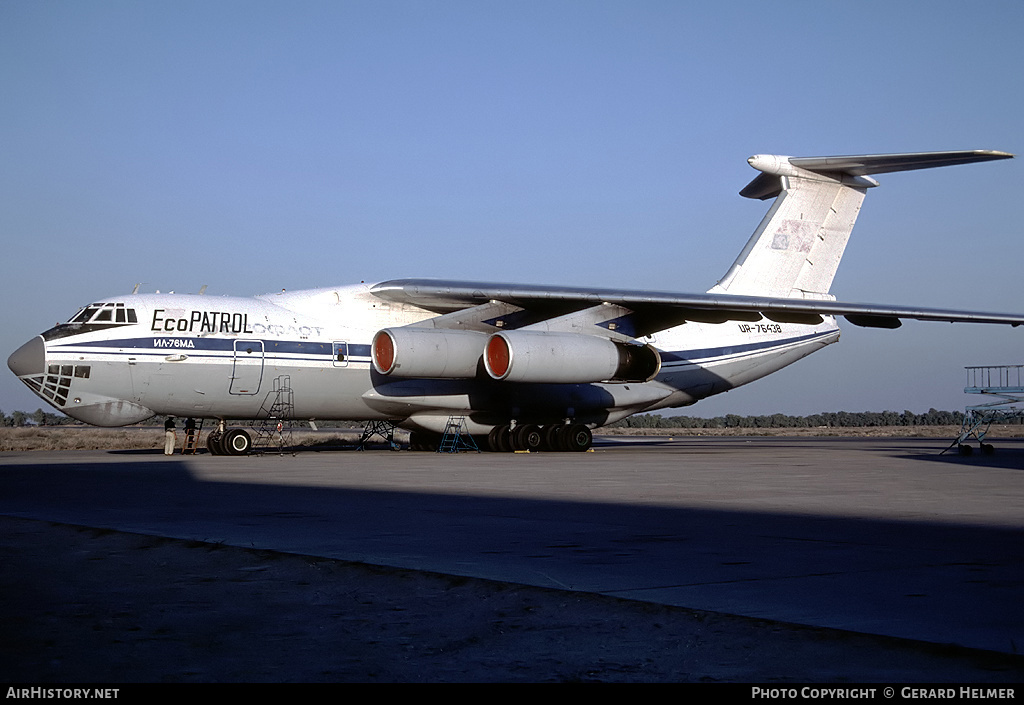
(767,185)
(884,163)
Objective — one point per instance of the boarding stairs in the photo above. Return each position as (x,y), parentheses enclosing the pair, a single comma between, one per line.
(271,430)
(1005,385)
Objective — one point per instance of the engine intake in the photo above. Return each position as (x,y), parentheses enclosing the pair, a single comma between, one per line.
(427,352)
(537,356)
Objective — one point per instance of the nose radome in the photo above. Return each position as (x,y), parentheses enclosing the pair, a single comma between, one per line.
(29,359)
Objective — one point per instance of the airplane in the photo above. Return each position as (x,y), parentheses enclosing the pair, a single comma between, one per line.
(528,367)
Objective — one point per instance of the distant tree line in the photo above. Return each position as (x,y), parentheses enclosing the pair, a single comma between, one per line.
(36,418)
(832,419)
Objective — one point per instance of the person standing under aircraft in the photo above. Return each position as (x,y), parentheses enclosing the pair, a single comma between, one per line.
(169,436)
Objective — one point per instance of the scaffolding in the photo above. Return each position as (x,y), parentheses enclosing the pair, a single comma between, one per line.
(1005,384)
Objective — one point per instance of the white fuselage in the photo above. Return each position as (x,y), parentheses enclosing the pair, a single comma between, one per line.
(229,357)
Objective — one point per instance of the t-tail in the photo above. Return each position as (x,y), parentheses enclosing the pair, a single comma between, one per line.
(795,251)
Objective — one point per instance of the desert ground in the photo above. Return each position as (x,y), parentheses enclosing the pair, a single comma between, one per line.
(140,437)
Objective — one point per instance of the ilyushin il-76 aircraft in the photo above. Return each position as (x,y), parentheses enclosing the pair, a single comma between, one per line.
(528,367)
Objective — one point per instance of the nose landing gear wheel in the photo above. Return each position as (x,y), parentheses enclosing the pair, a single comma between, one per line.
(213,443)
(237,442)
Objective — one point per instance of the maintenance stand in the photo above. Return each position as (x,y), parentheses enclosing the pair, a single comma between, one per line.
(1004,383)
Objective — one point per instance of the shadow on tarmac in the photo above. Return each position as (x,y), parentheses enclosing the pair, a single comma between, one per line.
(934,581)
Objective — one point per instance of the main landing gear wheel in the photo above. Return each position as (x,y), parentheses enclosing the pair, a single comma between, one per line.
(556,437)
(499,439)
(422,440)
(237,442)
(577,437)
(552,437)
(527,437)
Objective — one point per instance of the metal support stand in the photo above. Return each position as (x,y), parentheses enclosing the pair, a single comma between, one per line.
(384,429)
(456,437)
(1004,382)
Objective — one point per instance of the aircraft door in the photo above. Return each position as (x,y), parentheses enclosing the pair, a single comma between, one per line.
(247,370)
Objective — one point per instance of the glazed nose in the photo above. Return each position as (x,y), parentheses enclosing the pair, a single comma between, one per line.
(29,359)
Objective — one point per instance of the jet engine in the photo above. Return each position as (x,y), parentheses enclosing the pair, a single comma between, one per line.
(537,356)
(427,352)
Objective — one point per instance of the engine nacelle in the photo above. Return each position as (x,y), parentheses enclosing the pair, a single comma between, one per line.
(537,356)
(427,352)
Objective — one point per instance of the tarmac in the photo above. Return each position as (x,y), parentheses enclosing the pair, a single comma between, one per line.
(695,559)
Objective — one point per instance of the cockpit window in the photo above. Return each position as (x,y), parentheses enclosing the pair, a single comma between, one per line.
(92,318)
(84,315)
(105,313)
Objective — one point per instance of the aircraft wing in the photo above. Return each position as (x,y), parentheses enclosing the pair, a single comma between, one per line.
(489,306)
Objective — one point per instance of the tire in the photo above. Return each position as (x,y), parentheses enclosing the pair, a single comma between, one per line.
(527,437)
(577,438)
(418,441)
(498,439)
(424,441)
(213,443)
(237,442)
(552,437)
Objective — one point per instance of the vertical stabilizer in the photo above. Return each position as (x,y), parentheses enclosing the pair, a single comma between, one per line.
(796,249)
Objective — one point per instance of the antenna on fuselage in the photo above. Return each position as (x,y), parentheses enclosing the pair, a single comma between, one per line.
(202,289)
(136,289)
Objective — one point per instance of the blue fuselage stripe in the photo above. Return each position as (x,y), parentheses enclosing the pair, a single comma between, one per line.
(320,351)
(693,356)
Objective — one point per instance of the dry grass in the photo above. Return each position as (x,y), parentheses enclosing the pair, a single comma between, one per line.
(79,438)
(87,438)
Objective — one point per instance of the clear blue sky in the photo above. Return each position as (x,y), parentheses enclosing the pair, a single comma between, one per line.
(253,146)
